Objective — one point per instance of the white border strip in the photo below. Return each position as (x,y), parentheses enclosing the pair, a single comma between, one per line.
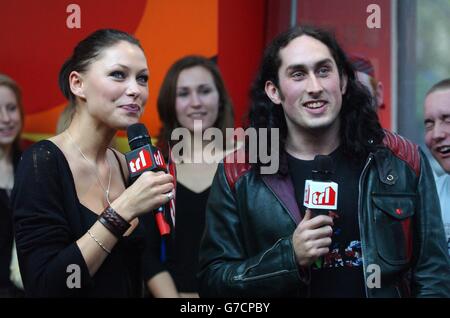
(394,75)
(293,13)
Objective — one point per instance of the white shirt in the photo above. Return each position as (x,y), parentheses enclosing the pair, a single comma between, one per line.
(443,188)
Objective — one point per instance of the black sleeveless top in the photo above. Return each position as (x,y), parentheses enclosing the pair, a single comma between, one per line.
(178,253)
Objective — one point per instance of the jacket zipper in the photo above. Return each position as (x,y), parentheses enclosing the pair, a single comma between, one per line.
(363,247)
(246,279)
(240,276)
(398,292)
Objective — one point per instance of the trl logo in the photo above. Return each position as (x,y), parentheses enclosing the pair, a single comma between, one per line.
(159,159)
(327,197)
(142,162)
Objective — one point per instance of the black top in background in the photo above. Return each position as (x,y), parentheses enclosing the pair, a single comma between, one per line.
(178,254)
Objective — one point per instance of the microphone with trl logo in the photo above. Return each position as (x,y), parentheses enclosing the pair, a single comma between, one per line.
(321,194)
(145,157)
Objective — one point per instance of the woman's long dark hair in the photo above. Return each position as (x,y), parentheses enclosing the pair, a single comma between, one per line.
(360,131)
(168,93)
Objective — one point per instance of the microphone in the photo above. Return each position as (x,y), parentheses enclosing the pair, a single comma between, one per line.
(321,193)
(145,157)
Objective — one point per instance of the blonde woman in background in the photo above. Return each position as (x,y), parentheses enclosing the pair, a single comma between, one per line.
(11,124)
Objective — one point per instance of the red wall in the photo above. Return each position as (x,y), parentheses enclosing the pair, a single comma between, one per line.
(241,42)
(35,41)
(348,19)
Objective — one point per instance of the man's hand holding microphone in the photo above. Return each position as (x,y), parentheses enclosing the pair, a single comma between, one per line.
(312,237)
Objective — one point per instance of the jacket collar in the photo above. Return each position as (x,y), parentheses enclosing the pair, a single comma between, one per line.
(383,161)
(281,185)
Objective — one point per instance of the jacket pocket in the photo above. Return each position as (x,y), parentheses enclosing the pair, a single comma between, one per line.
(393,226)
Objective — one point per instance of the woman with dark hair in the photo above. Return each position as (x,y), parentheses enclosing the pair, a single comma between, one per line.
(193,90)
(169,94)
(11,124)
(79,225)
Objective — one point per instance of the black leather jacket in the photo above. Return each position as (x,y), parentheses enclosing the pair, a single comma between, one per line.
(247,246)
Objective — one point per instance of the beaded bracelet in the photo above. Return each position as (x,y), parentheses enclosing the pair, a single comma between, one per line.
(98,242)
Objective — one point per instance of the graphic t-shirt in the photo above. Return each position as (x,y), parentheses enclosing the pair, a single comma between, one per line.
(340,272)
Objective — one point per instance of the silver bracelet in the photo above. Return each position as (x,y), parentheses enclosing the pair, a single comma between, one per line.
(99,243)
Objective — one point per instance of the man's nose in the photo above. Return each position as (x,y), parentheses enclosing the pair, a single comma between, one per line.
(438,132)
(313,85)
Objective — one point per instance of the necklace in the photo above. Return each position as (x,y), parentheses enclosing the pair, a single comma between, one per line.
(95,169)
